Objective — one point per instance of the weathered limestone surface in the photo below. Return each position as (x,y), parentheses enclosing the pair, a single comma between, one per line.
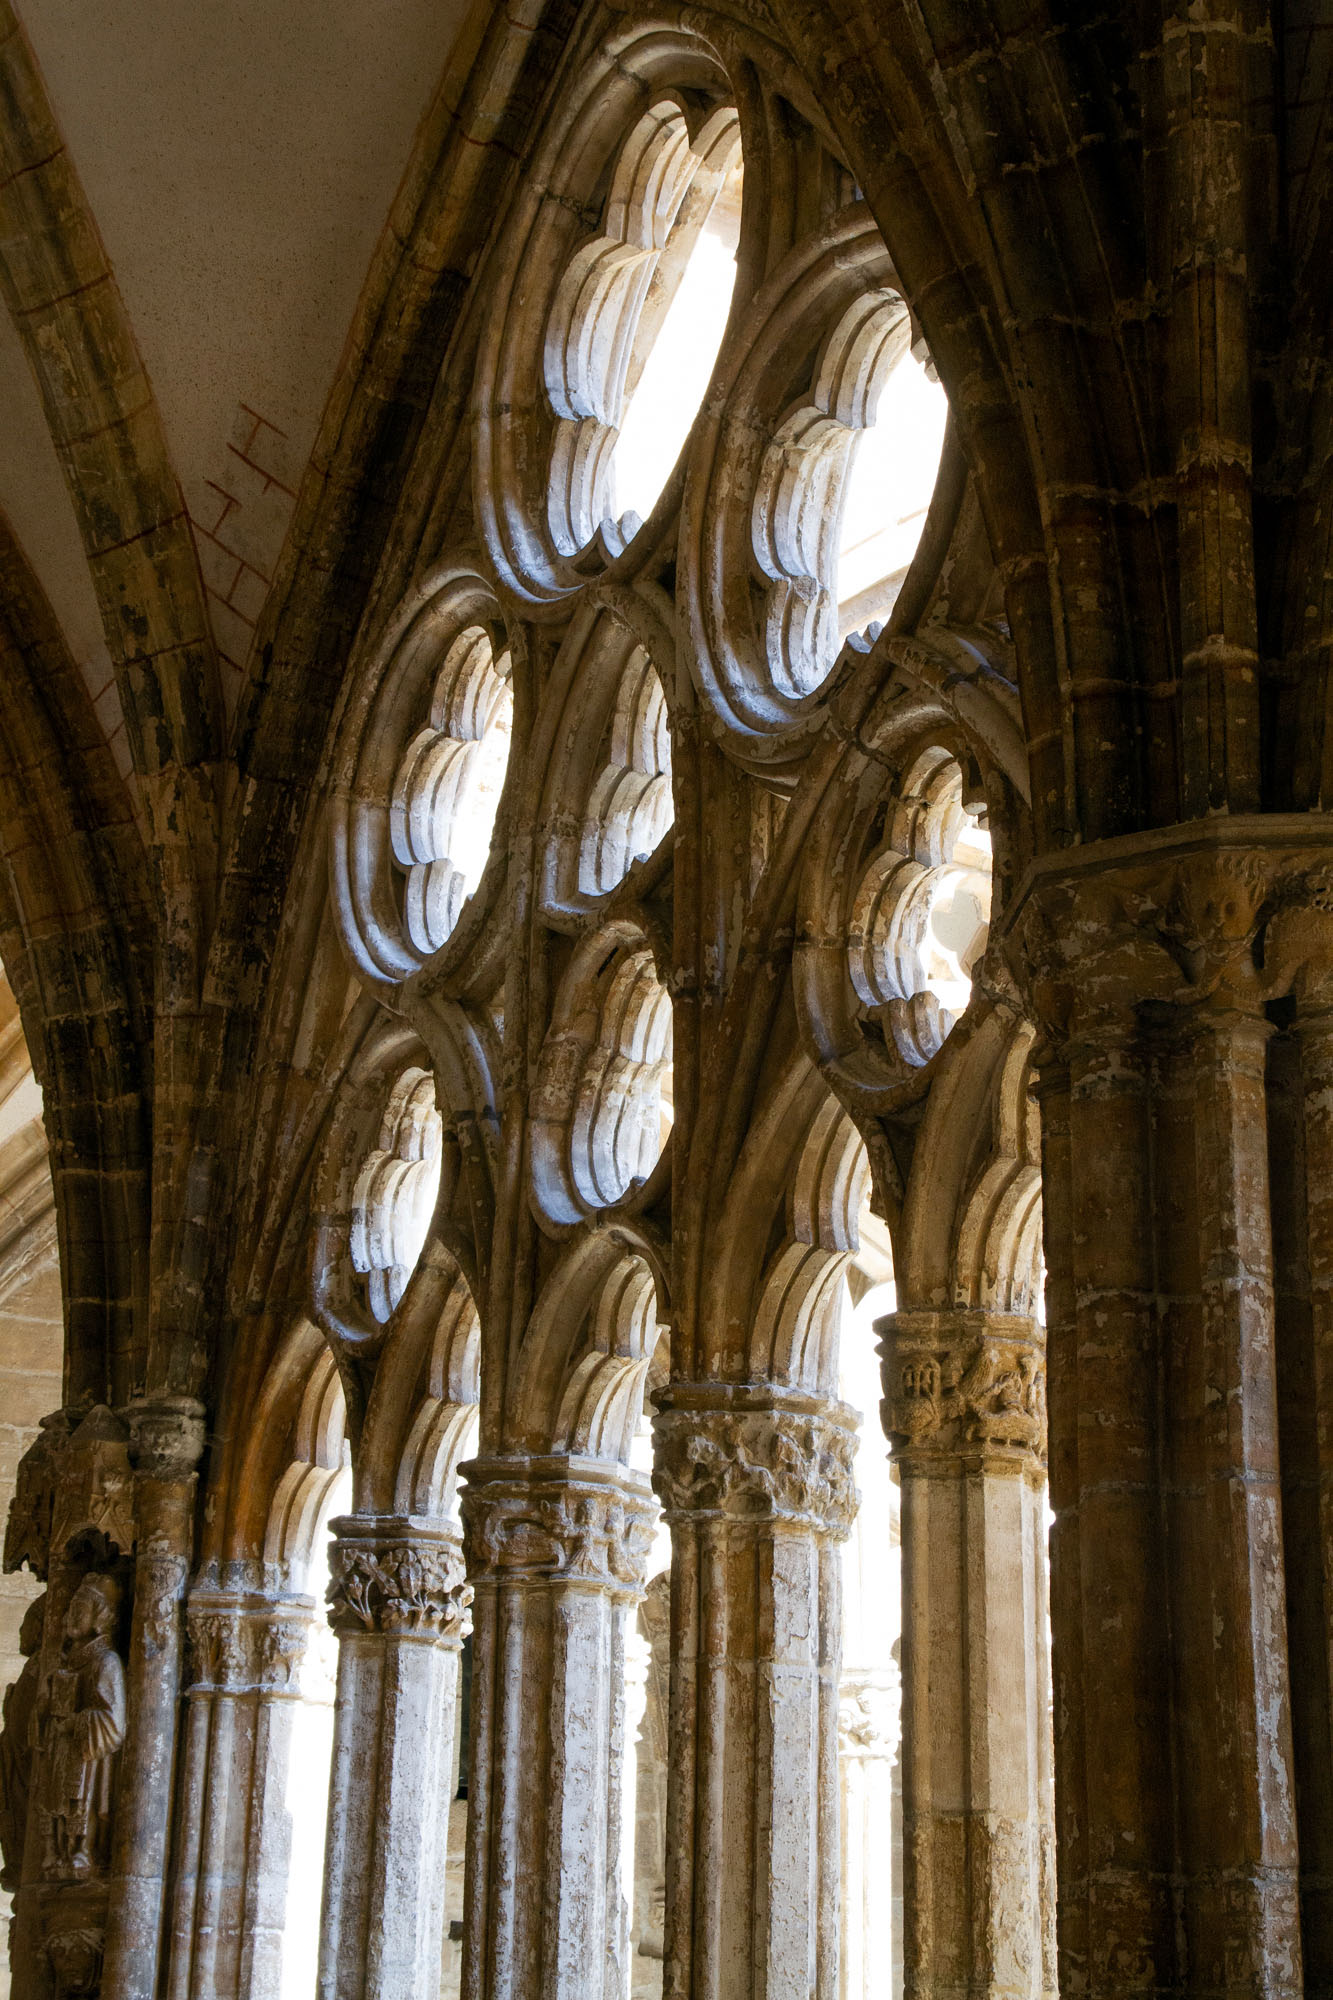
(756,1485)
(398,1599)
(965,1407)
(523,983)
(1166,1342)
(166,1442)
(247,1649)
(556,1549)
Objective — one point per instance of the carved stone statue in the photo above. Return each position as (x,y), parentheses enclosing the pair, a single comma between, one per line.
(28,1529)
(81,1722)
(16,1746)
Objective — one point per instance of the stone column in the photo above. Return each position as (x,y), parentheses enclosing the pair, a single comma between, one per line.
(397,1599)
(167,1442)
(1301,1156)
(556,1552)
(757,1485)
(295,1680)
(965,1410)
(234,1842)
(868,1712)
(1177,1830)
(1234,1903)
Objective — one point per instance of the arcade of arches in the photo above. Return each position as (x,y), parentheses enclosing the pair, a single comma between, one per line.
(668,905)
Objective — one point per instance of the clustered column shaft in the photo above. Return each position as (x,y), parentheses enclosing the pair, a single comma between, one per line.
(965,1408)
(1301,1160)
(556,1550)
(167,1441)
(397,1602)
(756,1482)
(234,1849)
(1177,1825)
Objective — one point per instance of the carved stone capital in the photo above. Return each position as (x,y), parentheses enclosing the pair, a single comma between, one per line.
(964,1383)
(219,1650)
(869,1710)
(1218,914)
(166,1437)
(753,1452)
(557,1520)
(396,1576)
(240,1644)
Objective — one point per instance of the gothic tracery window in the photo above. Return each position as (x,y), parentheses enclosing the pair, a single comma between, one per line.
(703,496)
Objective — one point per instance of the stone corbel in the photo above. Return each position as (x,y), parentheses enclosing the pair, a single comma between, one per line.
(166,1437)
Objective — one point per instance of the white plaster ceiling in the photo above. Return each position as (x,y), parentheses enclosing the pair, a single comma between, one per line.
(240,158)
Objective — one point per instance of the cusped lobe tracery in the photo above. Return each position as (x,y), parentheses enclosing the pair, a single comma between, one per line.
(603,1105)
(447,788)
(921,913)
(395,1192)
(636,323)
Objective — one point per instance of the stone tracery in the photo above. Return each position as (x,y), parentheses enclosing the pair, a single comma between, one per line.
(671,939)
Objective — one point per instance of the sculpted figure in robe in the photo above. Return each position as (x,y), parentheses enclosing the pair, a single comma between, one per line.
(16,1747)
(81,1722)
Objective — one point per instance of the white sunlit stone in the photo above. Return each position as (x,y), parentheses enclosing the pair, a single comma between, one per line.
(888,491)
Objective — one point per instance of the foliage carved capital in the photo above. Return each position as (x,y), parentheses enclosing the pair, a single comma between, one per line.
(242,1645)
(869,1706)
(389,1577)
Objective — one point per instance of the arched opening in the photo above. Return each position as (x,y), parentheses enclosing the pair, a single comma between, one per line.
(630,807)
(31,1345)
(604,1100)
(843,490)
(294,1751)
(921,916)
(894,462)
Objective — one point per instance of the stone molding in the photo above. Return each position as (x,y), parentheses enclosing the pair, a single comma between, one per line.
(1220,915)
(397,1577)
(755,1453)
(557,1520)
(962,1383)
(240,1646)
